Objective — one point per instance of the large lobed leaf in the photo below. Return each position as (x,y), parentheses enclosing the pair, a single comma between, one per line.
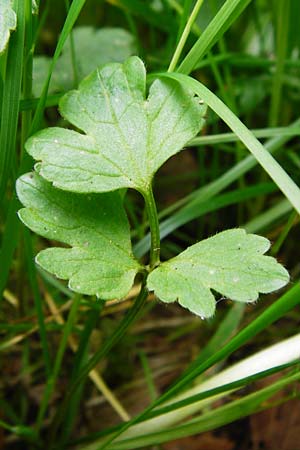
(231,263)
(91,48)
(127,138)
(99,260)
(8,22)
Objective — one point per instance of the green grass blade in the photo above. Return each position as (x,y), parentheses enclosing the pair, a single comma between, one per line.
(282,16)
(217,27)
(184,15)
(9,242)
(285,303)
(211,420)
(270,165)
(207,394)
(11,97)
(185,35)
(231,137)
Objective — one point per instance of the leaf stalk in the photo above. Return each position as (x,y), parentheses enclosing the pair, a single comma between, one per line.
(154,227)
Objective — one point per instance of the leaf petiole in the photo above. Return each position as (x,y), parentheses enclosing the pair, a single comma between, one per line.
(154,227)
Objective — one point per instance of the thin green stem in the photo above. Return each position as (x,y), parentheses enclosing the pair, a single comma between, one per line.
(27,73)
(185,35)
(154,227)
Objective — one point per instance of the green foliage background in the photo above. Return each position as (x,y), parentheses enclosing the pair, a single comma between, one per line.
(247,56)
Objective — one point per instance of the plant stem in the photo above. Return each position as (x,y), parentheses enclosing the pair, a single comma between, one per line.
(184,36)
(154,227)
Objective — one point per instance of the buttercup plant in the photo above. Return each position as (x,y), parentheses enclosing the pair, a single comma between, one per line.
(74,197)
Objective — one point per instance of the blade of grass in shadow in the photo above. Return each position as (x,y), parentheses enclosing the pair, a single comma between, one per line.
(282,16)
(270,165)
(228,13)
(11,97)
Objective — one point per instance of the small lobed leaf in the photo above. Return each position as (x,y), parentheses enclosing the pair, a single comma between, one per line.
(231,263)
(92,48)
(99,259)
(125,138)
(8,22)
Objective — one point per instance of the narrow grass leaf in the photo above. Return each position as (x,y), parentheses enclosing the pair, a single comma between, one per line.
(229,12)
(270,165)
(8,22)
(211,420)
(11,98)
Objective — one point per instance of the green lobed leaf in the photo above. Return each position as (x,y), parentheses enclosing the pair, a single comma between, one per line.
(127,138)
(8,22)
(99,260)
(92,48)
(231,263)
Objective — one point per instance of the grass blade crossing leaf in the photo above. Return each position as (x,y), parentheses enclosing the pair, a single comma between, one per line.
(99,261)
(270,165)
(127,138)
(231,263)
